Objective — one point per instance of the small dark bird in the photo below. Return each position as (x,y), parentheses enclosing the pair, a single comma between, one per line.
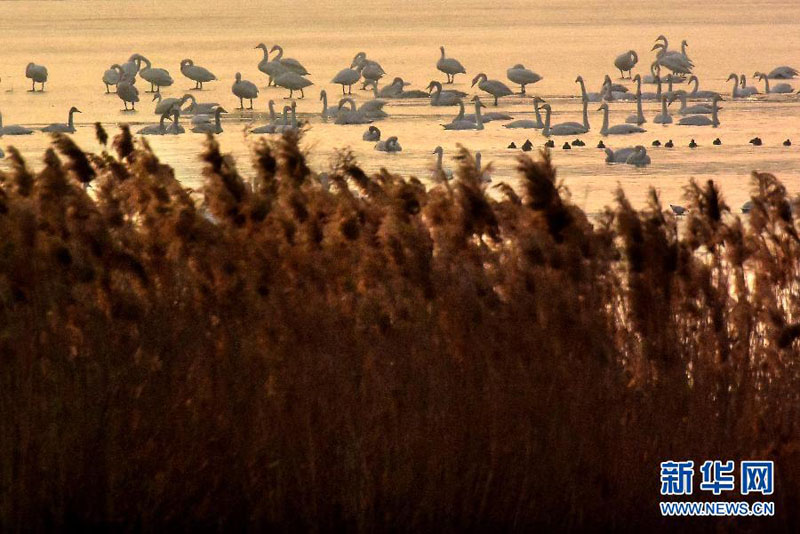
(601,144)
(692,144)
(677,210)
(756,141)
(512,145)
(669,144)
(717,142)
(578,142)
(566,147)
(527,145)
(550,143)
(787,143)
(656,143)
(747,206)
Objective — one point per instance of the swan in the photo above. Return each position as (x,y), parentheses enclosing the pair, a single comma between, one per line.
(244,89)
(442,98)
(483,175)
(496,88)
(655,74)
(588,97)
(13,129)
(110,77)
(579,125)
(617,129)
(272,69)
(528,123)
(370,70)
(347,77)
(440,174)
(737,92)
(664,117)
(522,76)
(37,74)
(618,156)
(638,118)
(158,78)
(198,108)
(449,66)
(625,62)
(201,119)
(464,124)
(273,122)
(372,134)
(392,90)
(413,93)
(696,93)
(131,67)
(674,61)
(175,127)
(327,112)
(211,127)
(489,116)
(639,158)
(567,128)
(165,104)
(126,91)
(61,127)
(697,109)
(350,116)
(155,129)
(613,92)
(197,74)
(747,89)
(291,64)
(703,120)
(782,73)
(647,95)
(293,81)
(286,126)
(780,88)
(390,145)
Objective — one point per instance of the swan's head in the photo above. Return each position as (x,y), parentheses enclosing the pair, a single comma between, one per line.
(603,107)
(546,107)
(693,78)
(323,95)
(684,43)
(477,79)
(358,59)
(442,49)
(579,79)
(220,110)
(156,96)
(657,46)
(438,150)
(732,77)
(434,85)
(518,66)
(661,38)
(759,75)
(374,129)
(73,109)
(238,76)
(478,102)
(637,78)
(186,63)
(275,47)
(538,100)
(262,46)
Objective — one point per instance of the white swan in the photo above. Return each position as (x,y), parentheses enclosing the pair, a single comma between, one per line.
(566,128)
(780,88)
(464,124)
(677,62)
(782,73)
(664,117)
(272,69)
(625,62)
(389,145)
(327,112)
(13,129)
(522,76)
(291,64)
(175,127)
(110,77)
(639,158)
(211,127)
(293,81)
(442,98)
(372,134)
(244,90)
(198,108)
(196,73)
(158,78)
(287,126)
(528,123)
(273,122)
(737,92)
(449,66)
(747,89)
(352,115)
(703,120)
(347,77)
(619,155)
(483,174)
(165,104)
(440,174)
(589,97)
(155,129)
(370,70)
(613,91)
(638,118)
(696,93)
(618,129)
(60,127)
(496,88)
(37,74)
(696,109)
(126,91)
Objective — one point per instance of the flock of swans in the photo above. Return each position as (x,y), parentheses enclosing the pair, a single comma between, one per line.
(669,69)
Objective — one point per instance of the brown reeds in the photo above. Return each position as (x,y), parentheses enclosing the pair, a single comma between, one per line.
(350,351)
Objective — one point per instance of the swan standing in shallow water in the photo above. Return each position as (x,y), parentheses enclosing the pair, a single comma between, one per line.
(244,90)
(625,63)
(126,91)
(703,120)
(372,134)
(370,70)
(211,127)
(780,88)
(565,128)
(450,66)
(196,73)
(272,69)
(293,81)
(166,104)
(440,174)
(110,77)
(60,127)
(37,74)
(522,76)
(291,64)
(158,78)
(528,123)
(617,129)
(389,145)
(496,88)
(13,129)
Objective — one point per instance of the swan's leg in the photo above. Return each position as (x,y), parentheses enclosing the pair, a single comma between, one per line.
(302,94)
(251,104)
(107,89)
(523,88)
(350,89)
(495,101)
(33,87)
(241,103)
(343,93)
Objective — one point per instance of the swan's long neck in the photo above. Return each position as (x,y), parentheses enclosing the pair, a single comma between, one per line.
(766,84)
(294,119)
(536,110)
(460,115)
(272,107)
(586,114)
(280,53)
(658,90)
(217,116)
(696,86)
(266,54)
(439,154)
(442,50)
(639,111)
(735,86)
(604,129)
(1,120)
(546,129)
(324,106)
(583,89)
(714,117)
(664,106)
(683,101)
(478,118)
(70,119)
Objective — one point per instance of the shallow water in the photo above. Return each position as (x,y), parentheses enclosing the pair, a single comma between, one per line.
(77,40)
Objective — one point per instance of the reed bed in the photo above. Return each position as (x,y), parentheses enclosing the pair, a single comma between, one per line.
(342,351)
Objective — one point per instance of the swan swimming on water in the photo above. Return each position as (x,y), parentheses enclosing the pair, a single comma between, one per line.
(196,73)
(327,112)
(782,73)
(703,120)
(440,174)
(211,127)
(737,91)
(619,155)
(449,66)
(617,129)
(638,118)
(588,97)
(442,98)
(389,145)
(696,109)
(696,93)
(352,115)
(464,124)
(273,122)
(496,88)
(372,134)
(625,63)
(747,89)
(522,76)
(165,104)
(155,129)
(244,90)
(528,123)
(565,128)
(780,88)
(60,127)
(13,129)
(639,158)
(37,74)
